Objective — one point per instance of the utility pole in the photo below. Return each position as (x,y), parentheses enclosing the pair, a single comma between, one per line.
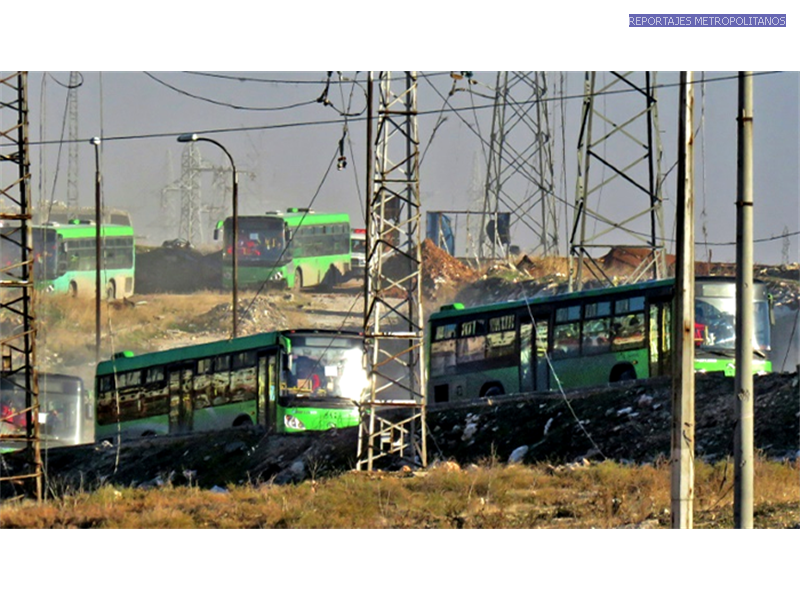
(73,204)
(743,436)
(683,426)
(98,246)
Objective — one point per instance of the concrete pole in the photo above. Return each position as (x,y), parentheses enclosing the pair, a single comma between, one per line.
(683,428)
(98,216)
(743,436)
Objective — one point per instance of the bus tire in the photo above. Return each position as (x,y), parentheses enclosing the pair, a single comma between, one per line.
(332,278)
(73,289)
(624,372)
(492,389)
(242,421)
(111,291)
(298,280)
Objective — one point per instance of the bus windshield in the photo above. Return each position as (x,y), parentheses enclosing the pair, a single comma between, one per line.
(715,327)
(45,249)
(60,405)
(325,367)
(259,241)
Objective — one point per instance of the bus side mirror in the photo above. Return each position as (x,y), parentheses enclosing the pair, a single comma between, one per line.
(216,235)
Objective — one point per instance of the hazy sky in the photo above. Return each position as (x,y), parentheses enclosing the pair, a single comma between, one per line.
(283,142)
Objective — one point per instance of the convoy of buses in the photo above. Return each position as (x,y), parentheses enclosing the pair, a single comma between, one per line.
(302,380)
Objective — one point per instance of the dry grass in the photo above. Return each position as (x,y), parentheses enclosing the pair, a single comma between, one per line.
(605,495)
(66,327)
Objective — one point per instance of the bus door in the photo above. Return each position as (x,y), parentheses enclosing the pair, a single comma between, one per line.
(533,367)
(660,336)
(267,397)
(180,399)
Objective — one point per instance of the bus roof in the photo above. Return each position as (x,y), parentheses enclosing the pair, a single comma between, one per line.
(87,229)
(293,219)
(240,344)
(656,284)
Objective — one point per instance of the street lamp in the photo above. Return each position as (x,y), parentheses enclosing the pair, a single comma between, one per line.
(193,137)
(95,141)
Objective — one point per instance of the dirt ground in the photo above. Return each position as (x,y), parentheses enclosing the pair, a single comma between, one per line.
(623,422)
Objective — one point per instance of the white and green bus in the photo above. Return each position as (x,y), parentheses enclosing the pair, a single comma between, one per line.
(65,257)
(66,412)
(586,338)
(295,249)
(284,381)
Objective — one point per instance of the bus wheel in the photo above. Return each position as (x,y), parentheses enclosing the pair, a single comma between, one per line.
(242,421)
(492,389)
(111,291)
(298,280)
(332,278)
(622,373)
(73,289)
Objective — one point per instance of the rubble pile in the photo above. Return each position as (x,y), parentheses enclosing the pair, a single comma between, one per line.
(176,269)
(255,316)
(442,272)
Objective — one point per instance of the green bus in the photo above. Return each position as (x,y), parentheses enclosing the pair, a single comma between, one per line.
(295,249)
(65,256)
(583,338)
(285,381)
(66,412)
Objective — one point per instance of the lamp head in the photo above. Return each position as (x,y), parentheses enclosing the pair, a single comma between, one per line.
(187,137)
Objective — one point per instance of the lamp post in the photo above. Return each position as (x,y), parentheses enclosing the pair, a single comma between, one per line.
(95,141)
(193,137)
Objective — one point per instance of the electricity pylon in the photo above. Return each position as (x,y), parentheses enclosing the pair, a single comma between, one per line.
(189,186)
(393,420)
(18,334)
(519,188)
(619,144)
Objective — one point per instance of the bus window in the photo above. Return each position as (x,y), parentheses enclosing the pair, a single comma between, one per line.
(443,350)
(471,349)
(566,341)
(502,337)
(628,331)
(596,336)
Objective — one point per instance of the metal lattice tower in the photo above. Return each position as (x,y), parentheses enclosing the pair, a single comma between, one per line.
(519,174)
(72,169)
(393,409)
(191,167)
(190,188)
(619,145)
(18,332)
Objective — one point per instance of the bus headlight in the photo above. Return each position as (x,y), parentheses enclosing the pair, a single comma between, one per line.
(354,378)
(292,422)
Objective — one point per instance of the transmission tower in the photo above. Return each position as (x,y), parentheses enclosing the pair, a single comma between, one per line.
(72,170)
(17,323)
(191,167)
(519,189)
(619,144)
(190,187)
(393,408)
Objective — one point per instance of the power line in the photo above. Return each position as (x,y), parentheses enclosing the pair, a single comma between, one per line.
(323,122)
(227,104)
